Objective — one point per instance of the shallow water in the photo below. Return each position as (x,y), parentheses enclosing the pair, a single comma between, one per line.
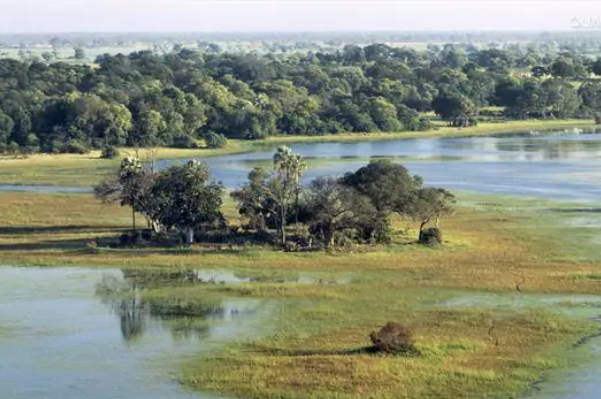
(560,166)
(60,339)
(581,382)
(581,306)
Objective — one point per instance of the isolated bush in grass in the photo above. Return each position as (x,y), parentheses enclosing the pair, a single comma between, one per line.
(431,236)
(75,147)
(393,338)
(184,142)
(109,152)
(215,140)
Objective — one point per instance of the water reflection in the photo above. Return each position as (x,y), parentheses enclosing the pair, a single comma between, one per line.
(140,310)
(64,343)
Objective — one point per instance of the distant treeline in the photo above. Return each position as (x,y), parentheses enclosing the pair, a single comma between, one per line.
(173,99)
(358,37)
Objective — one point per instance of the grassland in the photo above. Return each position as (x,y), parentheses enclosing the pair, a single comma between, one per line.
(73,170)
(492,244)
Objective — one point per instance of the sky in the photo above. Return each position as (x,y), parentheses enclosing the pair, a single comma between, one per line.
(39,16)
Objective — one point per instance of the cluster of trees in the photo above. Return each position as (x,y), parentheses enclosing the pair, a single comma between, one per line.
(332,211)
(147,99)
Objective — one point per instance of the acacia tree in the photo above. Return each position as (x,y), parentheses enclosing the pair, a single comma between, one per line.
(186,198)
(431,203)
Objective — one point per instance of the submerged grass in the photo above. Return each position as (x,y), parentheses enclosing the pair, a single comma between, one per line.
(312,348)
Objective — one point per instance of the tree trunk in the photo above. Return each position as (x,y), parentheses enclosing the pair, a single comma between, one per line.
(283,225)
(283,234)
(189,236)
(329,237)
(436,222)
(133,219)
(296,207)
(421,227)
(156,227)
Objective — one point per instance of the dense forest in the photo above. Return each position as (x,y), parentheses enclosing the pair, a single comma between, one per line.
(173,99)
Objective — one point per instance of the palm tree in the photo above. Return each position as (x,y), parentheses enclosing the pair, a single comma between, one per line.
(290,168)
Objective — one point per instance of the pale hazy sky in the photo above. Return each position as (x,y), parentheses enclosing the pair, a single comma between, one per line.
(291,15)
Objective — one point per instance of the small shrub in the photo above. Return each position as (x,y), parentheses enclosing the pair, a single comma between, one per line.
(393,338)
(13,148)
(215,140)
(431,236)
(184,142)
(75,147)
(92,248)
(132,239)
(109,152)
(597,119)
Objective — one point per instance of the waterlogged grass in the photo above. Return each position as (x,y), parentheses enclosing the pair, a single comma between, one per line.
(460,358)
(328,303)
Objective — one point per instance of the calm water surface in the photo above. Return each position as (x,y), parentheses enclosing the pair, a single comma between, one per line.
(60,338)
(560,165)
(555,166)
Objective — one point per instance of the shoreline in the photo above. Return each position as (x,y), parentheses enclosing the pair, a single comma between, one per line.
(238,146)
(87,169)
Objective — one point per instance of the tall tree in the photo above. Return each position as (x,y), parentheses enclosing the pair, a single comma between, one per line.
(290,167)
(130,186)
(186,198)
(272,196)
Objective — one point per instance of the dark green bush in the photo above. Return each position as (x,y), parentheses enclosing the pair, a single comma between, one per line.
(393,338)
(215,140)
(109,152)
(598,119)
(184,142)
(431,236)
(75,147)
(13,148)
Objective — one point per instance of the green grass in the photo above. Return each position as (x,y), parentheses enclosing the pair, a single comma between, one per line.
(308,356)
